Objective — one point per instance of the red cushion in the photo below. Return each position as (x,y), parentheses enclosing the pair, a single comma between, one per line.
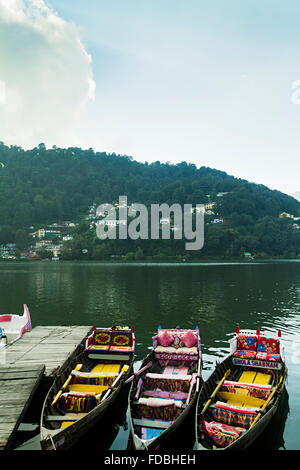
(268,356)
(245,354)
(246,342)
(268,345)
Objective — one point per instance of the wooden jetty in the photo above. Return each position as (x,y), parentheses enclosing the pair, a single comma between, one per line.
(25,364)
(17,387)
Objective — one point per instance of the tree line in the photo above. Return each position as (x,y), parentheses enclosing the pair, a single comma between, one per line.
(42,186)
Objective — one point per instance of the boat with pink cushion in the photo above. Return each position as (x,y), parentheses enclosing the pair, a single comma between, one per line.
(12,327)
(164,391)
(241,396)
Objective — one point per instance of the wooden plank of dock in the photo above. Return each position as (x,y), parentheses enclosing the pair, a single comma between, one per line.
(37,355)
(51,346)
(17,386)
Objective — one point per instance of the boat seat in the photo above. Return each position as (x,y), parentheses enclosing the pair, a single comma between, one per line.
(247,376)
(159,408)
(76,401)
(151,423)
(164,394)
(93,378)
(104,367)
(167,382)
(220,434)
(263,356)
(176,370)
(86,388)
(257,347)
(254,377)
(249,389)
(234,414)
(241,400)
(262,378)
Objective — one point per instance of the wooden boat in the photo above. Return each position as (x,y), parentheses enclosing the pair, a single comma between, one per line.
(164,392)
(12,327)
(88,388)
(241,396)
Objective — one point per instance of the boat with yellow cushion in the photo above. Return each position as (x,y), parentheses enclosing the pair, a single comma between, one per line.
(88,388)
(240,397)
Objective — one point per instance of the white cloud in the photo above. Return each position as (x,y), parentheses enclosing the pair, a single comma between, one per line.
(46,73)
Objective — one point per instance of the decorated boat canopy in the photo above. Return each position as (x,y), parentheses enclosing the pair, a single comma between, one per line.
(114,340)
(257,349)
(177,344)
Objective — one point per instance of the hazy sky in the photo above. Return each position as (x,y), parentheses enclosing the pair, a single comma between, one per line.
(170,80)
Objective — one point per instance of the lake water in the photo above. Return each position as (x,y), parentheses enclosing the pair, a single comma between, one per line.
(214,296)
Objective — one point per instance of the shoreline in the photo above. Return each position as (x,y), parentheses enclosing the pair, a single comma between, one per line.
(153,261)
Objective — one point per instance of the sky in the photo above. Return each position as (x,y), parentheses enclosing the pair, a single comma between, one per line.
(212,83)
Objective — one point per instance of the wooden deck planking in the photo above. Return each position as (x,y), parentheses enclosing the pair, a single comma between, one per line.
(37,354)
(49,345)
(15,395)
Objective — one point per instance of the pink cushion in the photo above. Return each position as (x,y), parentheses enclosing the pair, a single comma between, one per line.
(189,339)
(165,339)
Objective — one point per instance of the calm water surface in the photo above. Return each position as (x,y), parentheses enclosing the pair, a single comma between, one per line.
(214,296)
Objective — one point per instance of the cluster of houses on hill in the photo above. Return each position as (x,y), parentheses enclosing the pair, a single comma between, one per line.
(296,220)
(45,243)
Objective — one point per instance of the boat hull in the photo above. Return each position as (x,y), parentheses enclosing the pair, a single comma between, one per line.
(172,437)
(248,438)
(68,437)
(13,327)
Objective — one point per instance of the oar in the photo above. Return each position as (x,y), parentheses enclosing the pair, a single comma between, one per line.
(193,382)
(266,403)
(215,391)
(78,367)
(198,376)
(138,373)
(124,369)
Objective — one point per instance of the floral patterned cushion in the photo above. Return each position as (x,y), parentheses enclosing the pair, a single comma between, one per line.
(246,342)
(268,345)
(102,337)
(268,356)
(245,354)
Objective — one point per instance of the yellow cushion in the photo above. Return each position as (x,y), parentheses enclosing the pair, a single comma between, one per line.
(241,400)
(247,376)
(262,379)
(106,368)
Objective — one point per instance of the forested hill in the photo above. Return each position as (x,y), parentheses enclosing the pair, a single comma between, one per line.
(41,186)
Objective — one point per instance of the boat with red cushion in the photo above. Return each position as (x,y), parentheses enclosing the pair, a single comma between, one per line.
(240,397)
(164,391)
(12,327)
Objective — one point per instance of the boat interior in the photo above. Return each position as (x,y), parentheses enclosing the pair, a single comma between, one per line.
(161,395)
(236,400)
(165,389)
(91,377)
(84,386)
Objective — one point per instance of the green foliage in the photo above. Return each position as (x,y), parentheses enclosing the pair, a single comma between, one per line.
(41,186)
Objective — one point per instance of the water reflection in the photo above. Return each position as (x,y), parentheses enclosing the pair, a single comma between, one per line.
(214,296)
